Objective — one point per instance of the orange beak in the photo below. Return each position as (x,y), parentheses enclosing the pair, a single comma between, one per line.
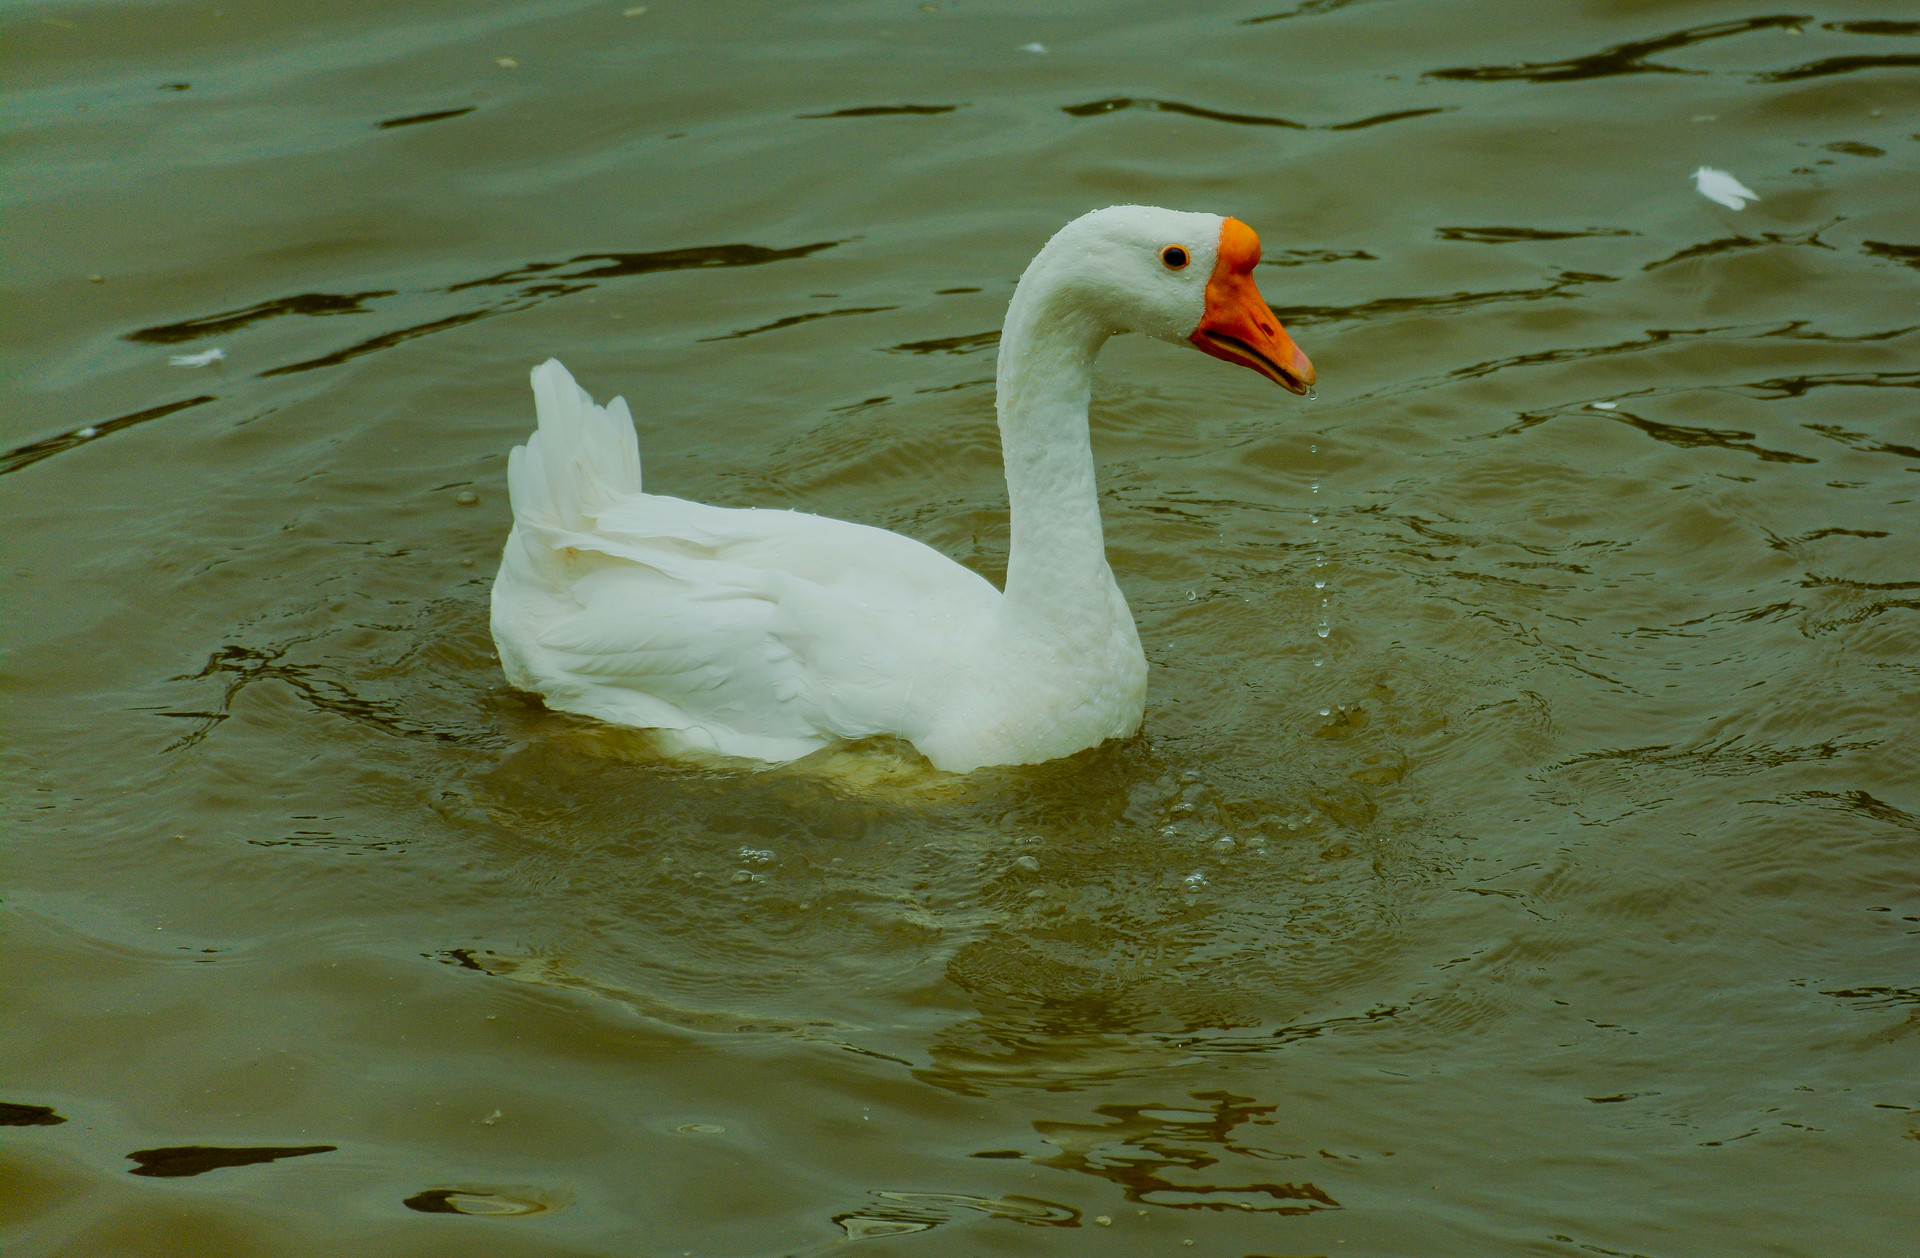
(1238,325)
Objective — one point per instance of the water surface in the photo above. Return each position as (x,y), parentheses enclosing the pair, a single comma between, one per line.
(1519,853)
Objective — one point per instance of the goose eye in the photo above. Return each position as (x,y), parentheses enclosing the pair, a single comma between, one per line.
(1175,257)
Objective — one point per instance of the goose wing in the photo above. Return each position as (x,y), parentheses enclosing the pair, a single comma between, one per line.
(749,632)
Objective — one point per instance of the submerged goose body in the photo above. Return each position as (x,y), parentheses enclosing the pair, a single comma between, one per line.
(770,634)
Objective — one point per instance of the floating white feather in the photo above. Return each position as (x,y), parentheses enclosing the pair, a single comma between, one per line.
(1718,185)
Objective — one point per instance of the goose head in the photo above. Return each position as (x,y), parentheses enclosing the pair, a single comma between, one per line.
(1184,278)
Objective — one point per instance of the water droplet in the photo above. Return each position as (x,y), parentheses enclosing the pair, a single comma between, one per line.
(1318,662)
(466,497)
(88,431)
(1320,585)
(1196,879)
(1313,449)
(1029,863)
(1322,631)
(1313,519)
(1326,711)
(1223,845)
(1315,486)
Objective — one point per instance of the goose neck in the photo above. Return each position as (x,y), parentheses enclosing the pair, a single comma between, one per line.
(1056,564)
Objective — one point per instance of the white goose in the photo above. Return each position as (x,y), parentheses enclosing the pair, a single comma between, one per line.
(770,634)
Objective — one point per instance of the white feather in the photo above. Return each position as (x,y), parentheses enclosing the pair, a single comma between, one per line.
(1718,185)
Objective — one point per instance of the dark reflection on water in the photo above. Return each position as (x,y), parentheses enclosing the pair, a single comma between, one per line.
(1626,58)
(414,120)
(33,451)
(1729,244)
(16,1114)
(796,320)
(237,667)
(1723,438)
(876,111)
(1510,235)
(963,344)
(1138,1145)
(233,320)
(1906,255)
(1828,66)
(1311,8)
(1563,282)
(1114,103)
(1874,27)
(555,280)
(197,1159)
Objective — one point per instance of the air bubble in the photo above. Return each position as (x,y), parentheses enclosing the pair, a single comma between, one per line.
(1322,631)
(1196,879)
(1326,711)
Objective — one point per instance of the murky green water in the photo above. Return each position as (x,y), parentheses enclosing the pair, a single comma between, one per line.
(1559,898)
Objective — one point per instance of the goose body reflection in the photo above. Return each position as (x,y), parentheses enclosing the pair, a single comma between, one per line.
(769,634)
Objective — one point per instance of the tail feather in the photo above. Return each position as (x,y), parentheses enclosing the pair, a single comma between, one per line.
(582,459)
